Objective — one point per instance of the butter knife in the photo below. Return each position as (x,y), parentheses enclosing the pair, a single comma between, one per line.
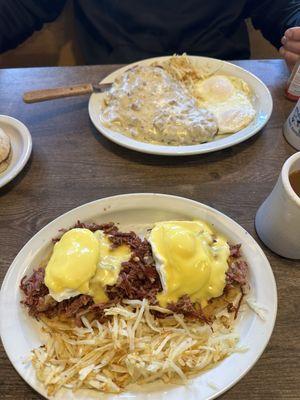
(35,96)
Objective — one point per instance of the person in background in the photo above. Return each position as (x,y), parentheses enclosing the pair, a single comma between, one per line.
(122,31)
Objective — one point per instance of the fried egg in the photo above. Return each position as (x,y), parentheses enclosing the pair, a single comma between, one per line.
(229,99)
(191,259)
(83,262)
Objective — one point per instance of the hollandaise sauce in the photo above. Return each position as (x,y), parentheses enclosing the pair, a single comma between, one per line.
(72,264)
(191,259)
(108,267)
(83,262)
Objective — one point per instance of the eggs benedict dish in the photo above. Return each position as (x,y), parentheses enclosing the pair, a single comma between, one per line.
(120,309)
(83,262)
(179,261)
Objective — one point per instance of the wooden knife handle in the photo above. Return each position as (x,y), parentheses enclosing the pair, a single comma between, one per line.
(57,93)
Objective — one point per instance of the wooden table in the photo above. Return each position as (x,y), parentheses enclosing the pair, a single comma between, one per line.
(72,164)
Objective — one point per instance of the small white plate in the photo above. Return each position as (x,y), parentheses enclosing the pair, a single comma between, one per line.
(263,105)
(21,146)
(20,333)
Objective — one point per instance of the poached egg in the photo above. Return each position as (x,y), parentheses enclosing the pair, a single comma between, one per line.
(191,259)
(83,262)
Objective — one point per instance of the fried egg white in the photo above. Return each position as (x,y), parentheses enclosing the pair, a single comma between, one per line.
(83,262)
(191,259)
(229,99)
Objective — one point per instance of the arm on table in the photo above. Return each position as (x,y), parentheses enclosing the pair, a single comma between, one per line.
(20,18)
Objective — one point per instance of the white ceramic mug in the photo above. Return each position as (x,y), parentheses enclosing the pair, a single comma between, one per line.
(277,220)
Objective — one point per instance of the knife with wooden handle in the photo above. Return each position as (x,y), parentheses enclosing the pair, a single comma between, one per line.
(35,96)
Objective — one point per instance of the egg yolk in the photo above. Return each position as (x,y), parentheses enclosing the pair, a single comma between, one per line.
(191,260)
(215,88)
(73,261)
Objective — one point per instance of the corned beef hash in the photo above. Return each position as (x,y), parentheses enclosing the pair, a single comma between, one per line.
(120,310)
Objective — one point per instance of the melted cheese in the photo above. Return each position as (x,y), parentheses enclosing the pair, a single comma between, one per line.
(191,260)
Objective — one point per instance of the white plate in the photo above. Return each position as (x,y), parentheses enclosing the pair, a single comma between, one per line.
(21,146)
(20,333)
(263,105)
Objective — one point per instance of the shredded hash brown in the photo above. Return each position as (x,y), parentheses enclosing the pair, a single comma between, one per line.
(183,69)
(132,347)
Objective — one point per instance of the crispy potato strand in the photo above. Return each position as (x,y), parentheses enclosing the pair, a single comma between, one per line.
(132,348)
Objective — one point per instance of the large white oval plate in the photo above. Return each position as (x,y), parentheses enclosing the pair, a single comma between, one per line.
(262,102)
(20,333)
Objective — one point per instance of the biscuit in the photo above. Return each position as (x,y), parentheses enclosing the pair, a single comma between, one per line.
(4,164)
(4,145)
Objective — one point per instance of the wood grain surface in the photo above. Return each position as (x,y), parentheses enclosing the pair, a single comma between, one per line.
(72,164)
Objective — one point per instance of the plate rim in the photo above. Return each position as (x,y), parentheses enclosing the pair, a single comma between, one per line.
(196,203)
(173,151)
(24,133)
